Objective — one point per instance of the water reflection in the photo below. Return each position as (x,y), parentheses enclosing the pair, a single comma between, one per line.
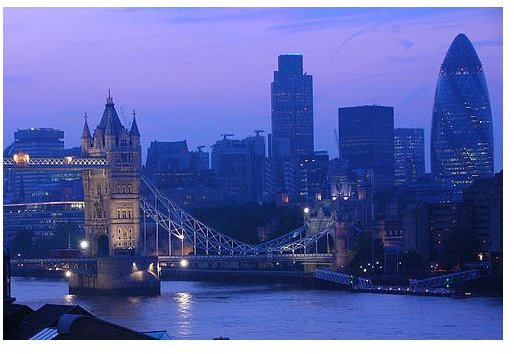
(69,299)
(184,301)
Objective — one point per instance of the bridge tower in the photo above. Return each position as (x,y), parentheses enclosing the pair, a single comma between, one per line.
(111,195)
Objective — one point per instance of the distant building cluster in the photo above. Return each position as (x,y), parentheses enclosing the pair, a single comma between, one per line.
(377,183)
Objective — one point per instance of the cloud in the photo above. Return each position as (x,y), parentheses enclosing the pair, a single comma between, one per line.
(352,36)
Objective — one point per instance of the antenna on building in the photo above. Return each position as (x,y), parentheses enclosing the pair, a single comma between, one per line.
(257,132)
(200,147)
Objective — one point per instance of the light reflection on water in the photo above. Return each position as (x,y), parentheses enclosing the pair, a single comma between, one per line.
(195,310)
(184,301)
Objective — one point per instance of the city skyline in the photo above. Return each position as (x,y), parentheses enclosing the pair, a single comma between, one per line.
(170,92)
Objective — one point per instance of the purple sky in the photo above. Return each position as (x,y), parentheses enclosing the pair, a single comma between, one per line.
(195,73)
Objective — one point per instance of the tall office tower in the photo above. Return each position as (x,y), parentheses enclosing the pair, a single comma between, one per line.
(462,133)
(37,186)
(313,176)
(239,166)
(256,160)
(291,118)
(366,138)
(409,155)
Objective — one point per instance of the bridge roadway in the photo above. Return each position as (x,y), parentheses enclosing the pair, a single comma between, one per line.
(296,257)
(87,265)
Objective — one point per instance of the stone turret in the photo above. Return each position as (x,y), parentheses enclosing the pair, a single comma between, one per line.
(112,195)
(85,139)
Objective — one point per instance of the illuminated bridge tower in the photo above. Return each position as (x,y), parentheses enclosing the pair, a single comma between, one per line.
(111,196)
(111,206)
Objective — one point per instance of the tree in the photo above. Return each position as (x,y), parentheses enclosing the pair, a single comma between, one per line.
(459,247)
(413,261)
(367,250)
(23,242)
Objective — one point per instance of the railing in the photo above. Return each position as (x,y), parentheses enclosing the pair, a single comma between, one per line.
(444,280)
(65,163)
(343,278)
(84,266)
(321,257)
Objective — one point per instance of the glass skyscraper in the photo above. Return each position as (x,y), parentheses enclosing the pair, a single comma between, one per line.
(462,132)
(409,155)
(291,120)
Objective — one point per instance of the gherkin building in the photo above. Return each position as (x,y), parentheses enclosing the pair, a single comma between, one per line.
(462,132)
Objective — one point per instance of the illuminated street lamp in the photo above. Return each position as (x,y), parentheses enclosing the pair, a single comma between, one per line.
(306,210)
(84,245)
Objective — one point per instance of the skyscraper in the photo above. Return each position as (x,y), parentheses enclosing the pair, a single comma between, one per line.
(291,117)
(239,166)
(34,186)
(409,155)
(462,132)
(366,135)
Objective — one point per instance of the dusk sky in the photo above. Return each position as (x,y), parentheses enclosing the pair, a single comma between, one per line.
(196,73)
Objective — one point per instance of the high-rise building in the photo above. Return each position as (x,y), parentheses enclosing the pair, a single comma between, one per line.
(409,155)
(366,138)
(240,168)
(313,177)
(483,202)
(37,186)
(462,132)
(291,118)
(183,175)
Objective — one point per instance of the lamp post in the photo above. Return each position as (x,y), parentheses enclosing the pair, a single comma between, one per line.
(84,245)
(181,237)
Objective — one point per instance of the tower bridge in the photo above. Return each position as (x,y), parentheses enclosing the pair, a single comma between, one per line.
(117,198)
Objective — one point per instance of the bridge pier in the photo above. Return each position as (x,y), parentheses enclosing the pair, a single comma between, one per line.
(119,276)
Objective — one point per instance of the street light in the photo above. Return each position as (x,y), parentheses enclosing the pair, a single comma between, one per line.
(306,210)
(84,245)
(181,237)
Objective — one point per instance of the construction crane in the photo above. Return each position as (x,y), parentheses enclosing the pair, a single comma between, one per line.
(200,147)
(257,132)
(225,136)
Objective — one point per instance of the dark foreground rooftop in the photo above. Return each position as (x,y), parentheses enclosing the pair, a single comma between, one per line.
(65,322)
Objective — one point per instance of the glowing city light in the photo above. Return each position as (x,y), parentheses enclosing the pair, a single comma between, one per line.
(306,210)
(67,274)
(84,244)
(184,263)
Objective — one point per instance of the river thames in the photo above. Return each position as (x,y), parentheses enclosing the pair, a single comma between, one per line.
(200,310)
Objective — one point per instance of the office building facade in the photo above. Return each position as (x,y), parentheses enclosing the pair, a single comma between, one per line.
(291,120)
(366,138)
(409,155)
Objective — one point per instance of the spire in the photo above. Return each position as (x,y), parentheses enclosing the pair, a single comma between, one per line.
(134,131)
(109,98)
(85,131)
(110,117)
